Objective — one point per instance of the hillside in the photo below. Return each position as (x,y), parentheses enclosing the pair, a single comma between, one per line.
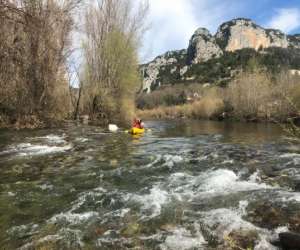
(216,59)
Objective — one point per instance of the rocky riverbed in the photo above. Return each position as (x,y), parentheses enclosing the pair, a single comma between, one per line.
(184,185)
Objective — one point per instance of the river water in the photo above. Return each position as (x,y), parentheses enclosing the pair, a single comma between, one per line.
(183,185)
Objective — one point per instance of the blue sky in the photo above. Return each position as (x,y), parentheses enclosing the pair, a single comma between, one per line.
(172,22)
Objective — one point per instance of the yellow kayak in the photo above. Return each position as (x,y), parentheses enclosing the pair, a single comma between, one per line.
(136,131)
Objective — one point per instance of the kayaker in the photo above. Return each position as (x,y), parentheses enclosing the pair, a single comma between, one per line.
(137,123)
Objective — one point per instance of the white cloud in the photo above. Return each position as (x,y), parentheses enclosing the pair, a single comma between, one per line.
(286,20)
(172,22)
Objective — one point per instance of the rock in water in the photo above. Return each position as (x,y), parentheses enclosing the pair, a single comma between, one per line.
(112,128)
(290,241)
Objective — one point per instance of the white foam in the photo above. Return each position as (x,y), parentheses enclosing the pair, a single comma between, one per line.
(281,230)
(152,201)
(223,180)
(211,183)
(73,218)
(294,197)
(23,229)
(80,139)
(42,149)
(290,155)
(264,244)
(46,187)
(73,236)
(50,238)
(28,149)
(203,158)
(228,162)
(11,194)
(255,177)
(53,138)
(171,160)
(182,239)
(225,220)
(123,212)
(242,207)
(295,158)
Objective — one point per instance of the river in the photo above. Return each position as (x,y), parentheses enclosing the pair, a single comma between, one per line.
(183,185)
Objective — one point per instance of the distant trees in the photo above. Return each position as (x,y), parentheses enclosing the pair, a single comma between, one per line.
(113,32)
(258,95)
(34,44)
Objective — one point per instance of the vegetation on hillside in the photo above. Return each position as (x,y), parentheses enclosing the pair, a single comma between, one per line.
(222,70)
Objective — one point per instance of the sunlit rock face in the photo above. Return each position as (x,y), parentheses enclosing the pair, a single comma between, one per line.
(203,47)
(243,33)
(151,70)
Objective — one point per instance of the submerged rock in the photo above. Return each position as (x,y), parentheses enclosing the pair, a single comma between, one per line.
(267,216)
(297,185)
(290,241)
(244,239)
(131,230)
(294,223)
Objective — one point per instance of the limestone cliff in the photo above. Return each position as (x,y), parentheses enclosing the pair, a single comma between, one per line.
(243,33)
(202,47)
(152,70)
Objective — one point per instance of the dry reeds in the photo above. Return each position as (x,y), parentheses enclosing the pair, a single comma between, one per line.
(207,107)
(260,96)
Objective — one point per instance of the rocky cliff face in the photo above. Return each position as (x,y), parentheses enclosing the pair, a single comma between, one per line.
(231,36)
(152,70)
(294,41)
(243,33)
(202,47)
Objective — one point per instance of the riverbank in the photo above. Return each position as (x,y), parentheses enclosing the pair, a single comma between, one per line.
(206,109)
(254,96)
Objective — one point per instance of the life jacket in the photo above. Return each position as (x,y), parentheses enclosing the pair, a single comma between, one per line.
(137,124)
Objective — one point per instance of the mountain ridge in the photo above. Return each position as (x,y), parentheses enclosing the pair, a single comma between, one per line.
(232,36)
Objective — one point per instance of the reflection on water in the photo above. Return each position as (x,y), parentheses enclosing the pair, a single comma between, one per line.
(184,185)
(231,131)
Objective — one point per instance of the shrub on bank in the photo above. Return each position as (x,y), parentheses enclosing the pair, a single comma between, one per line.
(260,96)
(170,95)
(208,107)
(254,96)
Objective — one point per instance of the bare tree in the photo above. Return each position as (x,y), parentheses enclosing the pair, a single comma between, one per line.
(113,30)
(33,51)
